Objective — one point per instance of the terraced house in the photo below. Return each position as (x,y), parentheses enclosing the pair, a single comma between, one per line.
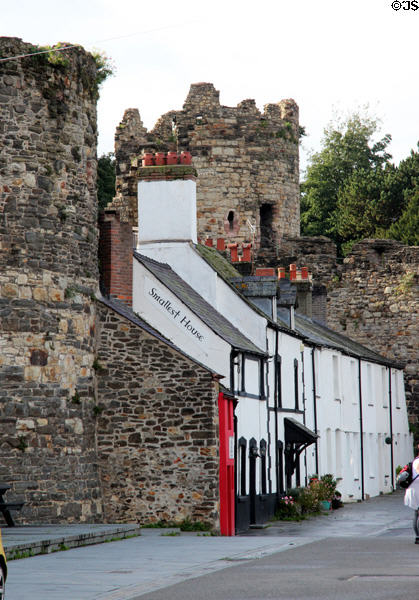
(301,399)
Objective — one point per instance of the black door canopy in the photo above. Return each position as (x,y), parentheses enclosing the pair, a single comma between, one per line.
(297,433)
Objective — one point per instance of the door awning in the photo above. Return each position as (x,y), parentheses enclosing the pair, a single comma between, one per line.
(297,433)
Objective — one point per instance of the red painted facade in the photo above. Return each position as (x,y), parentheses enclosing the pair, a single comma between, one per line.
(227,494)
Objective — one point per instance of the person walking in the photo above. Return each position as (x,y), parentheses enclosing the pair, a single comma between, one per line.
(411,497)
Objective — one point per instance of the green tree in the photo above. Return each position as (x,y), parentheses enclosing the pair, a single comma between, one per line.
(105,179)
(347,148)
(406,229)
(380,203)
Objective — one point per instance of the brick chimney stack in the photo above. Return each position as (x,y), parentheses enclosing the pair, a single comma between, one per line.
(115,255)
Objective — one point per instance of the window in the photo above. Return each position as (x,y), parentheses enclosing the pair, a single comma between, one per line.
(370,397)
(266,215)
(230,219)
(336,383)
(242,467)
(399,387)
(296,392)
(354,382)
(278,400)
(384,389)
(280,459)
(253,377)
(338,441)
(262,451)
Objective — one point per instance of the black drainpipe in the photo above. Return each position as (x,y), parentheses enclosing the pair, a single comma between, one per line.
(361,430)
(391,427)
(233,355)
(313,368)
(276,415)
(304,413)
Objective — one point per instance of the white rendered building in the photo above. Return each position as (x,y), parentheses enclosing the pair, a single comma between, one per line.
(307,400)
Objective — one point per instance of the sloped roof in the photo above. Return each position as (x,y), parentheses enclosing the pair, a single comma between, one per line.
(207,313)
(320,335)
(226,271)
(223,267)
(298,432)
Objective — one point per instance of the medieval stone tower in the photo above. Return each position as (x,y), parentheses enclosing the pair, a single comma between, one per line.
(48,274)
(248,191)
(247,163)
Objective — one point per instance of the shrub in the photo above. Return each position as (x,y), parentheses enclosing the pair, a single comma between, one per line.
(288,509)
(309,499)
(324,487)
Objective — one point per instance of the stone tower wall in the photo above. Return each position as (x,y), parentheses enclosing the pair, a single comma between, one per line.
(374,299)
(48,274)
(247,163)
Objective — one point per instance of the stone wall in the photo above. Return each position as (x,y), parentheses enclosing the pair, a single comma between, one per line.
(247,163)
(157,431)
(48,273)
(374,299)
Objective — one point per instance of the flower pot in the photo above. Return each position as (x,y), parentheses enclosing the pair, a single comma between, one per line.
(325,504)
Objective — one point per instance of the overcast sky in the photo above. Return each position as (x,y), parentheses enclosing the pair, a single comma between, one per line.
(327,55)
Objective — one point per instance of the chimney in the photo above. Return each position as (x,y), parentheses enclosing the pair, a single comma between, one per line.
(260,289)
(300,279)
(319,302)
(286,300)
(167,199)
(115,255)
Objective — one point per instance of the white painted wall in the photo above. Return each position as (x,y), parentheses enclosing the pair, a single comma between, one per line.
(167,209)
(193,269)
(338,418)
(167,227)
(210,349)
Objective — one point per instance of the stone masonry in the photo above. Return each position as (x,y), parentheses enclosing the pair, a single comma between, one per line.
(157,433)
(374,299)
(48,273)
(78,379)
(247,163)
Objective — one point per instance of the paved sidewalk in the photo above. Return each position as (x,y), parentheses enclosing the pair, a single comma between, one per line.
(128,569)
(30,541)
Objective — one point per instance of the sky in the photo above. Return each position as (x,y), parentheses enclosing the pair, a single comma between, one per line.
(331,57)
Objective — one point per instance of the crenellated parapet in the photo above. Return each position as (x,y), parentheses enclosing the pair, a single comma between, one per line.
(247,163)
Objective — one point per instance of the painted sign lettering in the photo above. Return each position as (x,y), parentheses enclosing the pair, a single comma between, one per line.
(181,319)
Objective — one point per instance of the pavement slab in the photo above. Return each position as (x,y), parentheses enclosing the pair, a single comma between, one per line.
(161,566)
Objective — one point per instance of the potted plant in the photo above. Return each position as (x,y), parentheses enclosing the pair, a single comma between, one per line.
(325,488)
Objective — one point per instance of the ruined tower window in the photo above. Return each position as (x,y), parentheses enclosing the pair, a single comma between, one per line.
(231,223)
(230,220)
(266,216)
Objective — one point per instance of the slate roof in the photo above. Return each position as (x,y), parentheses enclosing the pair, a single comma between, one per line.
(320,335)
(227,272)
(223,267)
(207,313)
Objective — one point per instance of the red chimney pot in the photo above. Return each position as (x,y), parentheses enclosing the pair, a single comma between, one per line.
(148,159)
(247,253)
(172,158)
(185,158)
(221,244)
(233,252)
(160,159)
